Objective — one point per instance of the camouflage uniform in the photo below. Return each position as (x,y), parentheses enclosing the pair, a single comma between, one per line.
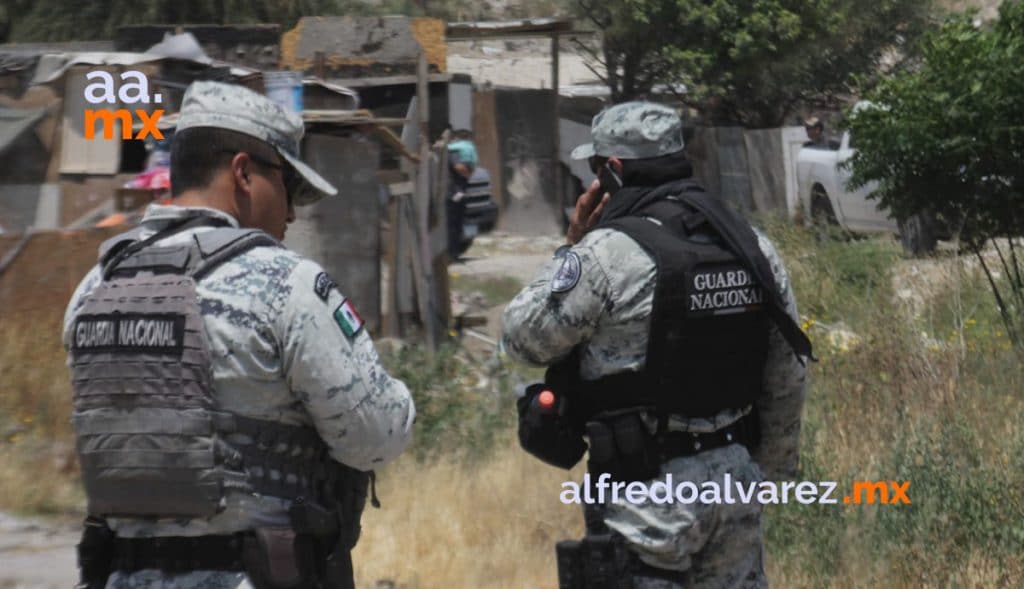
(607,310)
(278,355)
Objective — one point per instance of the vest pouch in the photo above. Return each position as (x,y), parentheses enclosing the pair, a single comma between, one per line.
(621,446)
(149,462)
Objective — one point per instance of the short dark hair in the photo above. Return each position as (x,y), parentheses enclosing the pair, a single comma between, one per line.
(198,153)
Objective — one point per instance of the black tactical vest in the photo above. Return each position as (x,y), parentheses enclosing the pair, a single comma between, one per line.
(150,436)
(714,302)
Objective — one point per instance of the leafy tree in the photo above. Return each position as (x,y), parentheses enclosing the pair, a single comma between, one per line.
(750,61)
(948,138)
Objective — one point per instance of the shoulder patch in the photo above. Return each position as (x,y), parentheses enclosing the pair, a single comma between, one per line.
(348,320)
(322,286)
(568,274)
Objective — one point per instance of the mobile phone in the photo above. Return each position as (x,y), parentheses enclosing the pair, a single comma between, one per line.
(610,181)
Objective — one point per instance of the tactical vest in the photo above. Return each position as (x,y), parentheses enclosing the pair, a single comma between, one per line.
(151,438)
(709,325)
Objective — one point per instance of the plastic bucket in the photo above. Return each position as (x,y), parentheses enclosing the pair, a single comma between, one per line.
(284,88)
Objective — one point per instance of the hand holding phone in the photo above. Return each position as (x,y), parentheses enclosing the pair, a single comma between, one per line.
(589,207)
(610,181)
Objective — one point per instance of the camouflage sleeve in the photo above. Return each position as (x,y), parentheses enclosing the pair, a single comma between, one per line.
(363,414)
(559,309)
(785,385)
(87,285)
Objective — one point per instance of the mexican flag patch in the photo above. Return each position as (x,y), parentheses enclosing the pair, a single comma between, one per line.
(348,320)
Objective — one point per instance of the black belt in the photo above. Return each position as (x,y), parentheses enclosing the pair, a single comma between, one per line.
(179,554)
(677,444)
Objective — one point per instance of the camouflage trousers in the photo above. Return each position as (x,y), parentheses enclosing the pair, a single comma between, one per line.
(714,545)
(153,579)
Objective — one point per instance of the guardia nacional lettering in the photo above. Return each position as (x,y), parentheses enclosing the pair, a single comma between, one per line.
(152,332)
(95,334)
(129,332)
(724,290)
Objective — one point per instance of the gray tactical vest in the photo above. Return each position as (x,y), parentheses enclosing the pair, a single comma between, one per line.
(151,438)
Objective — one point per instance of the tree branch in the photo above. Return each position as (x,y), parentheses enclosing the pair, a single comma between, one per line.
(1011,328)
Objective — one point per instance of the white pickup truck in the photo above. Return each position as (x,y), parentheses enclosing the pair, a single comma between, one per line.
(825,199)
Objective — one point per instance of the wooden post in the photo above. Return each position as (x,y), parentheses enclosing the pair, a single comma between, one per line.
(320,65)
(439,234)
(392,321)
(422,208)
(556,164)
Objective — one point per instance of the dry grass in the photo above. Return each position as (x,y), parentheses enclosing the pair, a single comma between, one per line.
(37,464)
(447,523)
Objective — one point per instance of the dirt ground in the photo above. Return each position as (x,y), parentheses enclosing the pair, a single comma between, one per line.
(37,553)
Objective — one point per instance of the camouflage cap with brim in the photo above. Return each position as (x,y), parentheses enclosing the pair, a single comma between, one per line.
(236,108)
(633,130)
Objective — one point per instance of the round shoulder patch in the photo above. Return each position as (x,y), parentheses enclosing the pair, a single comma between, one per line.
(322,286)
(568,274)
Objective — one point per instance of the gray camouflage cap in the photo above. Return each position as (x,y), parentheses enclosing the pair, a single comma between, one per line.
(633,130)
(228,106)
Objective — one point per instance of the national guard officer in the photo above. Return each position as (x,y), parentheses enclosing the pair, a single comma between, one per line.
(671,336)
(229,405)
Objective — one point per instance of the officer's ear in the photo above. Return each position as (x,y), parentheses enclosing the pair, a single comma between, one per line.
(241,166)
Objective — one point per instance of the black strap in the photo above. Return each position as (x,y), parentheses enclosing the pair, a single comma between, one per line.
(245,241)
(179,554)
(741,240)
(676,444)
(176,227)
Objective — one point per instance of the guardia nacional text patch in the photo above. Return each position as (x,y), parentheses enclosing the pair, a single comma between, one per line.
(348,320)
(129,333)
(722,290)
(568,274)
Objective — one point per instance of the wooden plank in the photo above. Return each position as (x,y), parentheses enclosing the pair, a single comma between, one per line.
(392,325)
(556,164)
(420,277)
(515,28)
(438,237)
(421,209)
(387,81)
(485,136)
(405,290)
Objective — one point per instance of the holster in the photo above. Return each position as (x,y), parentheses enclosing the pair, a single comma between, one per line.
(333,533)
(551,436)
(595,562)
(279,558)
(95,554)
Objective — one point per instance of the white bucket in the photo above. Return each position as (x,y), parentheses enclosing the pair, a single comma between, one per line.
(284,88)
